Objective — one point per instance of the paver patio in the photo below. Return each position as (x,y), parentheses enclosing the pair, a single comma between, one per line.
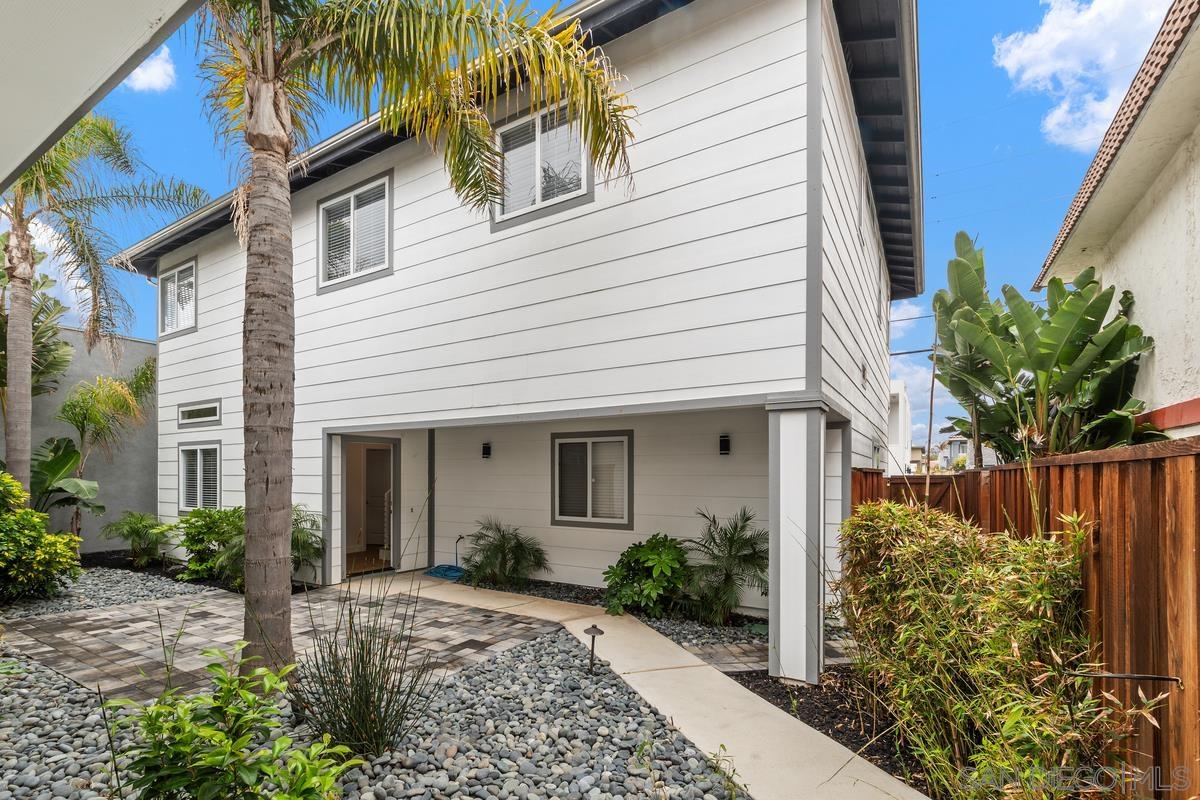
(121,648)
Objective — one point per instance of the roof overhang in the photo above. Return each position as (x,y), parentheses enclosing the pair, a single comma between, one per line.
(879,40)
(68,56)
(1159,112)
(606,19)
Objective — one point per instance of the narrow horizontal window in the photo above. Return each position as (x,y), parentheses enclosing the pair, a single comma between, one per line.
(199,477)
(543,162)
(355,235)
(592,479)
(177,299)
(204,413)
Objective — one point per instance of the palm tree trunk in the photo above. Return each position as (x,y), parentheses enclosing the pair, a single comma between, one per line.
(268,395)
(18,419)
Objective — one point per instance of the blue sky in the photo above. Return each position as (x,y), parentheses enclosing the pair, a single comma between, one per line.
(1015,97)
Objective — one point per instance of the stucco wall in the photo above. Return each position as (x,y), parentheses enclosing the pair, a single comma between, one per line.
(127,480)
(1155,253)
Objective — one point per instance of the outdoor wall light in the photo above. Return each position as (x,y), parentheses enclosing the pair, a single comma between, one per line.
(487,450)
(723,444)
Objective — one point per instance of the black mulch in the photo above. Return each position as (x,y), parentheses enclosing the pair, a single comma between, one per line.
(553,590)
(119,559)
(839,709)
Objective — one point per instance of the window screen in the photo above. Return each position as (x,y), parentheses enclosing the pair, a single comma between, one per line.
(543,161)
(591,480)
(177,299)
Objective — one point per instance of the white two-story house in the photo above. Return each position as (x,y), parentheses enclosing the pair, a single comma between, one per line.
(590,362)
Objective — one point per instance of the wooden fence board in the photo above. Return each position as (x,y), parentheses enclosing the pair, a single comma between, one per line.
(1141,571)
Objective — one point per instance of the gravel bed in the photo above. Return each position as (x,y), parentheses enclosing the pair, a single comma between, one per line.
(689,633)
(530,724)
(553,590)
(99,587)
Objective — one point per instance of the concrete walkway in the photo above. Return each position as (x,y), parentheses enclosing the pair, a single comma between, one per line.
(777,756)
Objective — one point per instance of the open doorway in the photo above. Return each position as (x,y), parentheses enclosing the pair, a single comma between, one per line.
(369,496)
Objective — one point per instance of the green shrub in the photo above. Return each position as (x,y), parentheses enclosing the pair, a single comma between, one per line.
(33,561)
(361,683)
(308,546)
(147,538)
(217,745)
(733,556)
(500,554)
(973,643)
(205,532)
(648,578)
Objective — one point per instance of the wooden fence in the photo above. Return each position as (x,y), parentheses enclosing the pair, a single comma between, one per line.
(1141,569)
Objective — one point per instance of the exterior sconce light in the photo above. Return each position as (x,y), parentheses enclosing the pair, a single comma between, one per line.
(723,444)
(487,450)
(593,631)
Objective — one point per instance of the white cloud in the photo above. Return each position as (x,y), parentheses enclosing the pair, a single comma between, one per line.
(1082,54)
(155,74)
(903,312)
(70,292)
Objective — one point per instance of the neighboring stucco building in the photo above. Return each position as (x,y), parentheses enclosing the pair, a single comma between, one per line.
(589,363)
(123,474)
(899,430)
(1136,218)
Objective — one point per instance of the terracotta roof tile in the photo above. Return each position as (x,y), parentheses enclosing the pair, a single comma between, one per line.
(1178,22)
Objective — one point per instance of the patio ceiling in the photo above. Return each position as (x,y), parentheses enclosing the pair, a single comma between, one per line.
(69,55)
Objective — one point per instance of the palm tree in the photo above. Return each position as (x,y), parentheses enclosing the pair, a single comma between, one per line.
(51,355)
(70,191)
(436,70)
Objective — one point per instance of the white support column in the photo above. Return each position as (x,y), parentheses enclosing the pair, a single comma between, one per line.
(797,460)
(336,555)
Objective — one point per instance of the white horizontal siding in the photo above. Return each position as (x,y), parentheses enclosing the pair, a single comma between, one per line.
(854,304)
(677,469)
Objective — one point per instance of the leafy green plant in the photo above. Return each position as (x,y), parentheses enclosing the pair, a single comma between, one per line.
(977,645)
(51,355)
(729,557)
(217,744)
(204,533)
(308,546)
(362,684)
(501,555)
(1039,381)
(648,578)
(33,561)
(53,482)
(147,538)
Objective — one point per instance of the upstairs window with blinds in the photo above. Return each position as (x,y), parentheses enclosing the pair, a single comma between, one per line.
(592,479)
(355,234)
(199,477)
(543,162)
(177,299)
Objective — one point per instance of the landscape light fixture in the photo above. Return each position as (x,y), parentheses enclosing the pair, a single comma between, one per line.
(593,631)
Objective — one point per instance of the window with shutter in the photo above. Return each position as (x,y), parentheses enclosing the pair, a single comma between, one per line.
(543,162)
(592,479)
(177,299)
(199,476)
(355,235)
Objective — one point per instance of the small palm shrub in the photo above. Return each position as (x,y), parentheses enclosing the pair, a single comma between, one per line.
(218,744)
(975,643)
(33,561)
(308,546)
(362,683)
(648,578)
(729,556)
(147,539)
(205,532)
(501,555)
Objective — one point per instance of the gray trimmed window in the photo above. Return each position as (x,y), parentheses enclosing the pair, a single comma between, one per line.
(544,163)
(593,479)
(177,299)
(194,415)
(199,476)
(355,233)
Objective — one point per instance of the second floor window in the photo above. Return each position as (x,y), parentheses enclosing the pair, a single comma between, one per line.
(543,162)
(354,233)
(177,299)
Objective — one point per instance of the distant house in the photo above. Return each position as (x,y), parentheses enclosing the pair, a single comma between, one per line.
(917,462)
(899,430)
(587,362)
(1135,218)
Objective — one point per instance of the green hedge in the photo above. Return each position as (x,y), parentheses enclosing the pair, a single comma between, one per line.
(33,561)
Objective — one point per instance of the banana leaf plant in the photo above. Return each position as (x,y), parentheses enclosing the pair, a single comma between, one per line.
(1040,381)
(52,481)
